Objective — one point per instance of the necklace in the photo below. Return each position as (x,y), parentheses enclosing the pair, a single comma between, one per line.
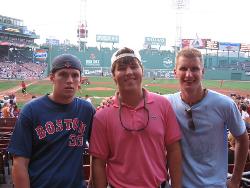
(127,128)
(191,104)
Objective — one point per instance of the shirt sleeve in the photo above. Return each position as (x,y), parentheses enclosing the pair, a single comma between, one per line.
(98,140)
(21,139)
(89,131)
(234,120)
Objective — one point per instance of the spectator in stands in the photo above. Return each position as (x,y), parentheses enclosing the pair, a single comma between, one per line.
(15,110)
(24,89)
(245,115)
(132,136)
(48,139)
(231,149)
(12,98)
(248,107)
(1,103)
(87,98)
(204,116)
(6,110)
(6,99)
(247,98)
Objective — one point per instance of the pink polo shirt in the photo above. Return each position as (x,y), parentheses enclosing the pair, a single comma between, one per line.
(135,158)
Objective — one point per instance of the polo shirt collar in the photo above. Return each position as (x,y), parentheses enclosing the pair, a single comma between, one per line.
(148,97)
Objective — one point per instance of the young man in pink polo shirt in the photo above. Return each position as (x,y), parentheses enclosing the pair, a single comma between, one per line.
(130,139)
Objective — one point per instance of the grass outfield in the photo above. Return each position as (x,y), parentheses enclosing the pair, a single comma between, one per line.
(4,85)
(8,84)
(104,86)
(235,85)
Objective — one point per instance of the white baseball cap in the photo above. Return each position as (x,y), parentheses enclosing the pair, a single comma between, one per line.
(131,54)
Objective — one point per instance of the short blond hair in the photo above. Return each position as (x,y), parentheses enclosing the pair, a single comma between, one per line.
(190,53)
(231,139)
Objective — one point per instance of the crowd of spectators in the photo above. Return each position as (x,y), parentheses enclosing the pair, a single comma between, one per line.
(8,107)
(23,70)
(243,103)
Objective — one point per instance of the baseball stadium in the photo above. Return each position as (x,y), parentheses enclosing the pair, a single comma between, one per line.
(25,67)
(227,65)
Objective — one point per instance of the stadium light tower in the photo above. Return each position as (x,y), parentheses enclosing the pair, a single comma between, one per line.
(82,31)
(180,6)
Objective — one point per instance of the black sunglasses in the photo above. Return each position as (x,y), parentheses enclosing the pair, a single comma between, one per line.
(140,128)
(191,124)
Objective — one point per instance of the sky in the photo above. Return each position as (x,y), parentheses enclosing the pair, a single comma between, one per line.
(133,20)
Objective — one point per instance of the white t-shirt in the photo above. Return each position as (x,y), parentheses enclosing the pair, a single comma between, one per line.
(244,115)
(247,99)
(89,100)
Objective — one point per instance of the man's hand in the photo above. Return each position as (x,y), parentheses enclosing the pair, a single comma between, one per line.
(90,183)
(106,102)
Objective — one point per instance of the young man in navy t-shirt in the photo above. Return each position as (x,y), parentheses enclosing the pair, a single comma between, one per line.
(49,137)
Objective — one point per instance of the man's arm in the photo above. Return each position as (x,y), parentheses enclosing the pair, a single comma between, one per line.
(98,168)
(240,156)
(174,158)
(20,172)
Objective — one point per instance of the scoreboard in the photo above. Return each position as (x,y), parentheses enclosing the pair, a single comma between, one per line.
(213,45)
(245,47)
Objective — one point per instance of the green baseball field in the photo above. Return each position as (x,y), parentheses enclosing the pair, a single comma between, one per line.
(101,87)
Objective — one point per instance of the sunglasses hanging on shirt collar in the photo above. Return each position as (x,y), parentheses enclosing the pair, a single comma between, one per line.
(127,127)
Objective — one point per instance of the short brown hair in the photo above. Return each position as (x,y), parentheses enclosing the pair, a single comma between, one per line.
(124,59)
(190,53)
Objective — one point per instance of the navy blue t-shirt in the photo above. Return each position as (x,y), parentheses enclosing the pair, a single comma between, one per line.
(53,136)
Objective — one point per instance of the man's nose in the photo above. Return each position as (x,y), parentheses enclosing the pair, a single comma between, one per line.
(129,70)
(189,72)
(69,78)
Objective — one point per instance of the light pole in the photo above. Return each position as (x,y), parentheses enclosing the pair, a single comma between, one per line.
(179,6)
(82,27)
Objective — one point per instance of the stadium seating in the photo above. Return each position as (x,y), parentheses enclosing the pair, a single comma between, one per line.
(86,165)
(6,126)
(6,129)
(2,170)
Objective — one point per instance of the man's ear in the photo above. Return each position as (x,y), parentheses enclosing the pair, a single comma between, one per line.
(52,77)
(81,79)
(203,72)
(114,80)
(175,74)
